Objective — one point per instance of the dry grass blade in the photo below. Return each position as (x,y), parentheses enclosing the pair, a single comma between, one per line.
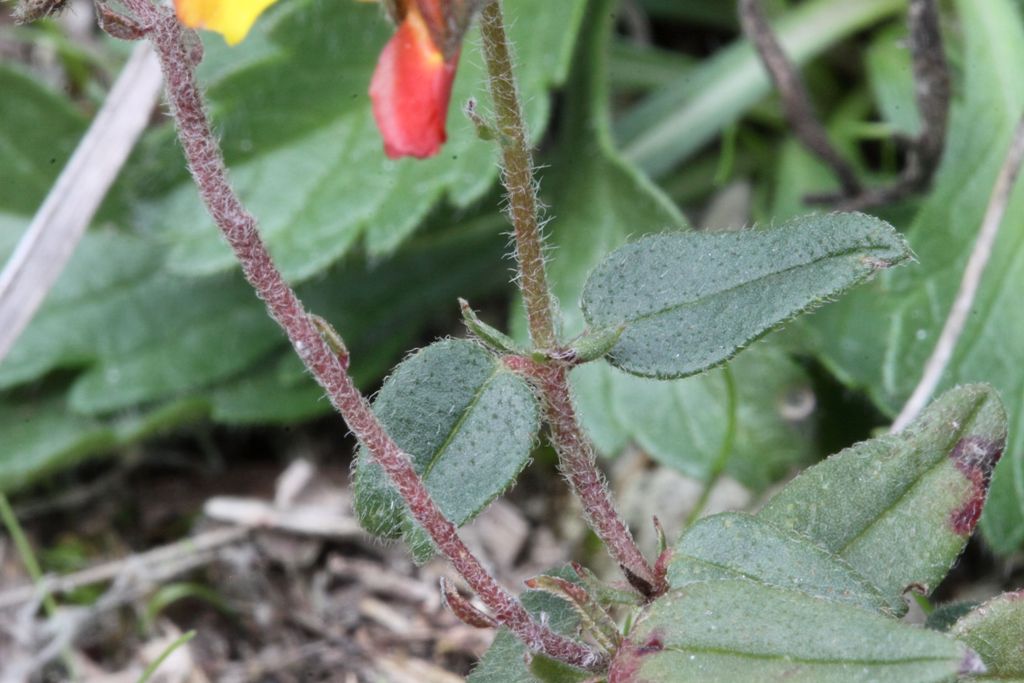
(154,566)
(973,272)
(61,221)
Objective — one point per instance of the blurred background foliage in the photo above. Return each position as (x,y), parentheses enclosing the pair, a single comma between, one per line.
(151,329)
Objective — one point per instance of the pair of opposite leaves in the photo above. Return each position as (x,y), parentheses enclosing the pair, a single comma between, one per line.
(412,83)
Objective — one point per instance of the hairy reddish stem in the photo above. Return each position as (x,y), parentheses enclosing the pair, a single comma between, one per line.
(239,227)
(575,452)
(517,167)
(578,461)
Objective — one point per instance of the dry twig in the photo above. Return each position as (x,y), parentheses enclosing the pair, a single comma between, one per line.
(932,92)
(152,567)
(796,101)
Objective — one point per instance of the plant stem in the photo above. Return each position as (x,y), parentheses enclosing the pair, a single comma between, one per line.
(669,126)
(579,464)
(796,100)
(180,641)
(239,227)
(35,572)
(575,452)
(24,548)
(517,165)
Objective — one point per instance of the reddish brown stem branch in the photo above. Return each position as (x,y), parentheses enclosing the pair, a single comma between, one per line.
(933,93)
(575,452)
(517,166)
(932,88)
(796,101)
(578,462)
(239,227)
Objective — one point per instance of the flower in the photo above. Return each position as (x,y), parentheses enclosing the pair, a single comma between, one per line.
(412,83)
(411,88)
(230,18)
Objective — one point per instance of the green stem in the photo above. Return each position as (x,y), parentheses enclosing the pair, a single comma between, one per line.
(155,664)
(576,455)
(35,572)
(724,452)
(517,162)
(28,557)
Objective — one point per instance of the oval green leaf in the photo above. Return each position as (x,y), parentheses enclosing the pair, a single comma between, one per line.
(737,630)
(692,300)
(900,508)
(469,424)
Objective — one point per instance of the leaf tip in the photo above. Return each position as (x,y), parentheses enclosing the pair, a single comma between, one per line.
(978,446)
(975,457)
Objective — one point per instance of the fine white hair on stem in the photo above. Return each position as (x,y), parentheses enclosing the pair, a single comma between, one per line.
(973,272)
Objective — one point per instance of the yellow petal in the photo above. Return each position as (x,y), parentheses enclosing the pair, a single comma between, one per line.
(230,18)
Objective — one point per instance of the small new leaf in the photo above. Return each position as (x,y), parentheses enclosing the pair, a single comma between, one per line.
(594,619)
(508,659)
(484,130)
(492,337)
(692,300)
(463,609)
(596,344)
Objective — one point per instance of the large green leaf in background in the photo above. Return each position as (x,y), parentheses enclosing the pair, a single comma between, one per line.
(879,337)
(147,346)
(38,132)
(598,201)
(292,106)
(149,350)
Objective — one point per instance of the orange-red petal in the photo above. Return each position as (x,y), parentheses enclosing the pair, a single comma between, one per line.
(410,91)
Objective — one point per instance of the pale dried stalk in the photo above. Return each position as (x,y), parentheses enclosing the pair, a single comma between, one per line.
(61,221)
(969,284)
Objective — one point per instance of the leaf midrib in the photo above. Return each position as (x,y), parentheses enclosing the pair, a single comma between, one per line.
(457,426)
(958,434)
(804,660)
(748,283)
